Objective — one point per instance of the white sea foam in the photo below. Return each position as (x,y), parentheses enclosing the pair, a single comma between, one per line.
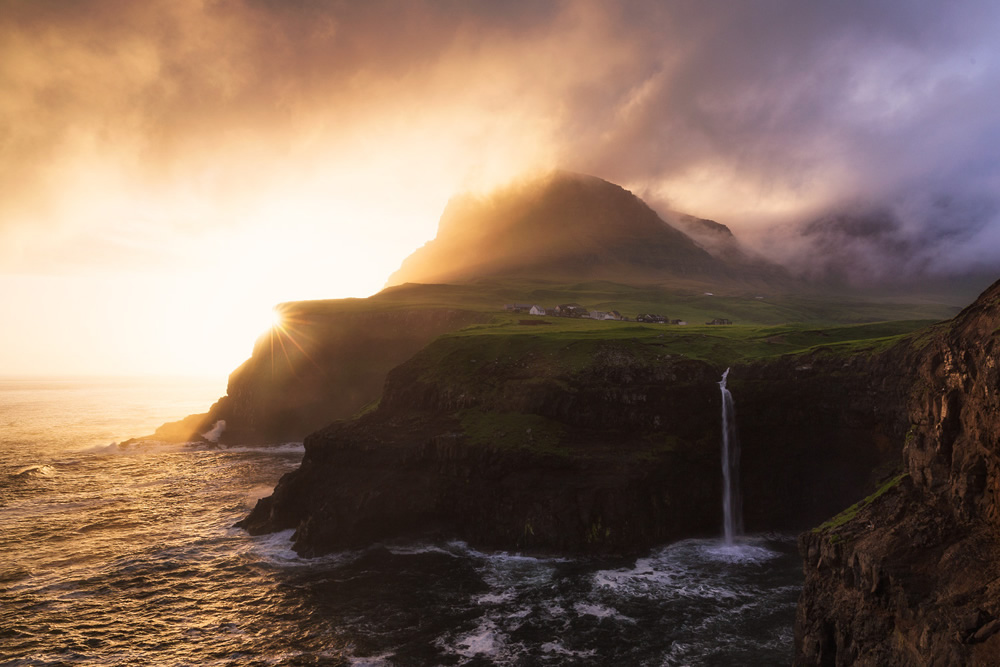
(418,548)
(483,641)
(737,553)
(601,612)
(276,549)
(384,660)
(282,449)
(678,570)
(559,649)
(256,493)
(553,609)
(154,447)
(513,572)
(143,448)
(39,470)
(214,433)
(494,598)
(523,612)
(505,556)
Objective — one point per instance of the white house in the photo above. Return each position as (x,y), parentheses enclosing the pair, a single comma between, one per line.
(537,310)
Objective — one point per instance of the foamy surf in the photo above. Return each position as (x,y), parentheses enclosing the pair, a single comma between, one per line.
(154,447)
(121,528)
(38,470)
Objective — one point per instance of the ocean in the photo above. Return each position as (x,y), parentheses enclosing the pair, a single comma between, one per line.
(126,555)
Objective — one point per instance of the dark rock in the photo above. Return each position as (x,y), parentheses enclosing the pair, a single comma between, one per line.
(987,631)
(913,576)
(594,446)
(325,362)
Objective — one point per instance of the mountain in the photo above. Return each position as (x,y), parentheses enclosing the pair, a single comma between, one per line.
(574,227)
(562,238)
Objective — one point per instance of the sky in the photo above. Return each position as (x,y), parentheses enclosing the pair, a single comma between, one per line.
(170,169)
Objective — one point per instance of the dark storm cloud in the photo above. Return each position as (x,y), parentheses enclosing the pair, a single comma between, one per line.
(768,112)
(816,106)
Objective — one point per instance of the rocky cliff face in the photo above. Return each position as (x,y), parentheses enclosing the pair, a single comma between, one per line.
(817,429)
(522,452)
(577,445)
(325,362)
(911,575)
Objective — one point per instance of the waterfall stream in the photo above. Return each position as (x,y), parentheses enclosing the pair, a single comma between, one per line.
(732,506)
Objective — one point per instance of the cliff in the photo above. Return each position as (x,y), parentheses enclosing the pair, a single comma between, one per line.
(911,574)
(562,238)
(326,361)
(818,429)
(513,451)
(576,443)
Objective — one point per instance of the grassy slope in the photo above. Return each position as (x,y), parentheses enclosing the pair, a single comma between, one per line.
(773,325)
(718,345)
(685,301)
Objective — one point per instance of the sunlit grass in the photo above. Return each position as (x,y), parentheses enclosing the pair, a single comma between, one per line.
(689,302)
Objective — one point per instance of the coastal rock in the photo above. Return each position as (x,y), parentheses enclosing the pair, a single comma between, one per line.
(326,361)
(600,446)
(513,453)
(912,576)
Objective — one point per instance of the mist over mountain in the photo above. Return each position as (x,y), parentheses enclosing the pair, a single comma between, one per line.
(568,226)
(933,246)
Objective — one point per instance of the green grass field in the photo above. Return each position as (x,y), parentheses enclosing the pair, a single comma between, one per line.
(764,325)
(720,345)
(691,302)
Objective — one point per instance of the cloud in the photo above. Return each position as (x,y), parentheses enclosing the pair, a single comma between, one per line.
(765,116)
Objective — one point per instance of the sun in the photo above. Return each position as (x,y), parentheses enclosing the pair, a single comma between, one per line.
(275,319)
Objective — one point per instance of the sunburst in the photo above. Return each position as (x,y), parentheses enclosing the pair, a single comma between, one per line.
(285,327)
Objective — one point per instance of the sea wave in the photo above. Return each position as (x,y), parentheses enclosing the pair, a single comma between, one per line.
(152,447)
(36,470)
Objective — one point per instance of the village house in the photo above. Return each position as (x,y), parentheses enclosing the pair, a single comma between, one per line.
(566,310)
(720,320)
(571,310)
(650,318)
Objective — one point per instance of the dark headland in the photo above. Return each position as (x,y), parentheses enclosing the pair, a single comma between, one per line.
(429,409)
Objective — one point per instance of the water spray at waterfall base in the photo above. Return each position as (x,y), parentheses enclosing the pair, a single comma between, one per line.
(732,505)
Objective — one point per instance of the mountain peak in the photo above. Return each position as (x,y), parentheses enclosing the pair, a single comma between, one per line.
(563,225)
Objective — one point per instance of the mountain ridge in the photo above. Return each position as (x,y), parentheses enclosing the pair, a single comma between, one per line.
(567,225)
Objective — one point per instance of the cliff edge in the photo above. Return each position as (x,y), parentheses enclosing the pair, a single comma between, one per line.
(911,574)
(579,443)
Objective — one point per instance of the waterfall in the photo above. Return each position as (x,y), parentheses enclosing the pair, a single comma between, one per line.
(732,506)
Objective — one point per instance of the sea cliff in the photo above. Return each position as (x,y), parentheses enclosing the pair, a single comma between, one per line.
(911,574)
(327,360)
(584,444)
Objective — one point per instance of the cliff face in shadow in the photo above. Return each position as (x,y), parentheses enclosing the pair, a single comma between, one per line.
(526,451)
(581,446)
(911,575)
(322,364)
(818,429)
